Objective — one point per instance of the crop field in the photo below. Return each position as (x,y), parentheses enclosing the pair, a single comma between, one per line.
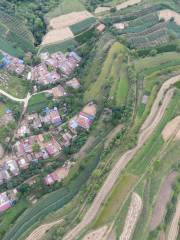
(155,71)
(10,216)
(66,6)
(83,25)
(16,32)
(61,46)
(113,203)
(145,30)
(67,26)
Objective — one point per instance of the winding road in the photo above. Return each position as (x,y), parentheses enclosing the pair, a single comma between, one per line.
(157,111)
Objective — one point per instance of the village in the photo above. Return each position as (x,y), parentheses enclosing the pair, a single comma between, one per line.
(43,135)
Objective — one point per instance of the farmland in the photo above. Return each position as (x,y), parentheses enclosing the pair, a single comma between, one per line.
(130,72)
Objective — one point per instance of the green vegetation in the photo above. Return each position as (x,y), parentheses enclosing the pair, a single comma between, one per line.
(66,6)
(83,25)
(38,102)
(14,85)
(117,196)
(9,217)
(111,79)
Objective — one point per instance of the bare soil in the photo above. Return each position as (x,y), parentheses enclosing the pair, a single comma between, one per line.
(69,19)
(172,129)
(127,4)
(168,14)
(59,27)
(132,217)
(97,234)
(57,35)
(162,201)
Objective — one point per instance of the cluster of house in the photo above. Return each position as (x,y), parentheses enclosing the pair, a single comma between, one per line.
(12,64)
(41,146)
(36,121)
(54,67)
(85,118)
(28,150)
(7,199)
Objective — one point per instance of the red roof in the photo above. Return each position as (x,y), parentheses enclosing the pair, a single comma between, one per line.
(5,206)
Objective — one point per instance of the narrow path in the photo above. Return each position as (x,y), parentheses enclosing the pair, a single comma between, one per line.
(158,109)
(11,97)
(173,231)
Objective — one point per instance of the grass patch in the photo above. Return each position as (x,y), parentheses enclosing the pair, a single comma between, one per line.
(123,87)
(14,85)
(116,198)
(109,75)
(65,7)
(38,102)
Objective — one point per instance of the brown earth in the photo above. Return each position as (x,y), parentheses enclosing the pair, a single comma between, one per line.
(132,217)
(127,4)
(162,201)
(168,14)
(172,129)
(97,234)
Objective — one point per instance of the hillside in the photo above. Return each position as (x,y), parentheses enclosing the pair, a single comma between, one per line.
(90,119)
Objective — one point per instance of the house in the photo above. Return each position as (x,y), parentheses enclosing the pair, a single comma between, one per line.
(7,199)
(58,91)
(57,176)
(51,117)
(23,163)
(45,147)
(74,83)
(119,26)
(84,121)
(13,64)
(145,99)
(23,130)
(12,167)
(101,27)
(72,124)
(86,116)
(41,75)
(5,202)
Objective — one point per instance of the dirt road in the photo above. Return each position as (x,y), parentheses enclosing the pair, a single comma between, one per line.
(173,232)
(162,100)
(40,231)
